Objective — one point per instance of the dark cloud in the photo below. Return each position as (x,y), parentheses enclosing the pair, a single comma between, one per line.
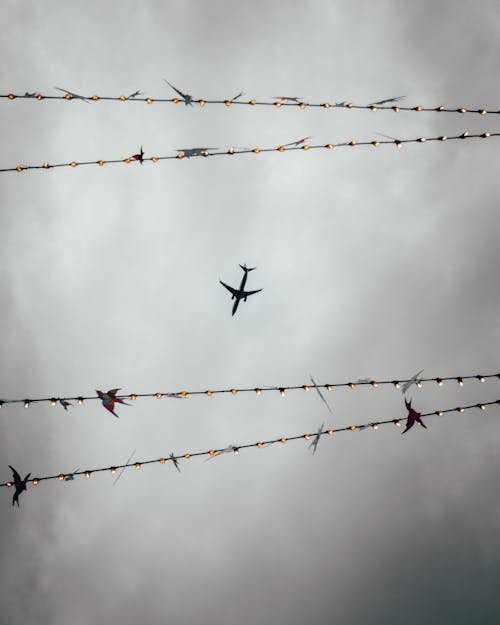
(374,263)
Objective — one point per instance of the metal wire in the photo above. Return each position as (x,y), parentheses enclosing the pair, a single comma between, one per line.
(278,103)
(255,445)
(262,389)
(237,151)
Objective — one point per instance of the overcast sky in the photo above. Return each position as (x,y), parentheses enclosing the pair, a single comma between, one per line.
(374,263)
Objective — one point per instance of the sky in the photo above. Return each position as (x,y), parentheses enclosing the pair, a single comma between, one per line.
(373,263)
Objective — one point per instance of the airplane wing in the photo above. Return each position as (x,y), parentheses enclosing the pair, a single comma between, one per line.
(247,293)
(230,288)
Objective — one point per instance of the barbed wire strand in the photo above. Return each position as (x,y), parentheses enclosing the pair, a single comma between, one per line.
(256,445)
(278,103)
(237,151)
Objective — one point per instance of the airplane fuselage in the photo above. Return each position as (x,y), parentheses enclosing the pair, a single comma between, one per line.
(243,282)
(240,294)
(241,291)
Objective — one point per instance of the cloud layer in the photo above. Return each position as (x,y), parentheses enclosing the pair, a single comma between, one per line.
(373,264)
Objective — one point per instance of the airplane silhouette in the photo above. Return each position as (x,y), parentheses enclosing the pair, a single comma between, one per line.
(188,99)
(240,294)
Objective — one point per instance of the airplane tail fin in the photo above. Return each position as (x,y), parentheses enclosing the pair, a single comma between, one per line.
(247,269)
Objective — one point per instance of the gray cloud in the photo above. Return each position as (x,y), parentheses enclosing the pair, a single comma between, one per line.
(373,262)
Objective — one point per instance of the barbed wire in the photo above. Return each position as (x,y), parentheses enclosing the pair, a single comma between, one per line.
(235,449)
(204,152)
(279,102)
(258,390)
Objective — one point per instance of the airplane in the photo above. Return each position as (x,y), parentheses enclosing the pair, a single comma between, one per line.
(284,97)
(317,436)
(411,381)
(240,294)
(188,152)
(296,143)
(188,99)
(73,95)
(386,101)
(19,484)
(139,157)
